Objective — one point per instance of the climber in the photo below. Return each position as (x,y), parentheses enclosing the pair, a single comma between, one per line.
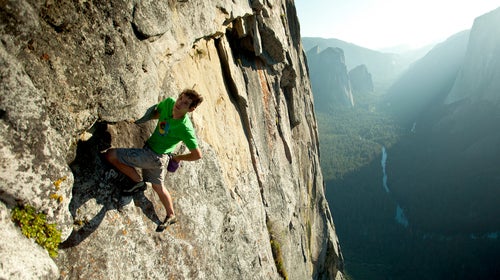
(173,126)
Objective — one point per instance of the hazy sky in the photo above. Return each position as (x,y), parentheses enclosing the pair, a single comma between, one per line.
(385,23)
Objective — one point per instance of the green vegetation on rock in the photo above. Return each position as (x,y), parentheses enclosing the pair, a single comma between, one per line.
(276,249)
(34,225)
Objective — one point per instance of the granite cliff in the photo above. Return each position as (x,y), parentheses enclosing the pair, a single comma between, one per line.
(329,79)
(361,79)
(75,73)
(479,78)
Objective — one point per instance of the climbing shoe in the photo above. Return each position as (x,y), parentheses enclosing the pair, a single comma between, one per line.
(141,186)
(168,221)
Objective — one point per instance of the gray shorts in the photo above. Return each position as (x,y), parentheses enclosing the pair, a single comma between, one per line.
(152,164)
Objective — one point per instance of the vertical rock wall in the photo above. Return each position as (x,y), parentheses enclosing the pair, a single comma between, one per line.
(74,73)
(330,79)
(479,78)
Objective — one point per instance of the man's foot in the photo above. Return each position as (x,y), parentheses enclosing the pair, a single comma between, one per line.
(168,221)
(141,186)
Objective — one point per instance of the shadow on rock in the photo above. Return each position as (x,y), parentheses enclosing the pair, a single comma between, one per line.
(97,188)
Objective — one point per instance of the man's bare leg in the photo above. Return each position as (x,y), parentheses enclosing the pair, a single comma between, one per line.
(129,171)
(165,198)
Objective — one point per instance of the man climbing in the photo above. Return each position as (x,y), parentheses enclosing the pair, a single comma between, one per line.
(173,126)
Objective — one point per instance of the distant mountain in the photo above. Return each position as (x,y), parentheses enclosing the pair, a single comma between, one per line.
(329,79)
(361,80)
(407,52)
(428,80)
(428,209)
(384,67)
(479,78)
(451,160)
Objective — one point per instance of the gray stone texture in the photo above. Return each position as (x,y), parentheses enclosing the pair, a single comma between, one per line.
(74,76)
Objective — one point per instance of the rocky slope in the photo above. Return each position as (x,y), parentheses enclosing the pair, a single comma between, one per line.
(427,81)
(74,73)
(329,79)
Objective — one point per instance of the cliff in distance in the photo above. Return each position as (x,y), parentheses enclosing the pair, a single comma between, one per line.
(330,79)
(74,73)
(479,78)
(455,120)
(361,79)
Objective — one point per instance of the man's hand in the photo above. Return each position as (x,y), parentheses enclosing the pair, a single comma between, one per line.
(193,155)
(151,113)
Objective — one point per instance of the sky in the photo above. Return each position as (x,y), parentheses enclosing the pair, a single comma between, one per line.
(378,24)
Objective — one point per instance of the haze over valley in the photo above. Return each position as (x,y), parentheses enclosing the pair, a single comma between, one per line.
(410,153)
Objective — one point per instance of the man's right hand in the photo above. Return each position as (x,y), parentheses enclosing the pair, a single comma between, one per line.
(151,113)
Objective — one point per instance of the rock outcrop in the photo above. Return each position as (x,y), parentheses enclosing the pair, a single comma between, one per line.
(329,78)
(361,79)
(479,78)
(74,73)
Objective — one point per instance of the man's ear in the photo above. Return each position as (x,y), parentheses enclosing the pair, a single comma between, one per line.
(191,109)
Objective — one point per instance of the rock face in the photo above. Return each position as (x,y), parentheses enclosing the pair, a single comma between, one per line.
(479,78)
(329,78)
(73,76)
(361,79)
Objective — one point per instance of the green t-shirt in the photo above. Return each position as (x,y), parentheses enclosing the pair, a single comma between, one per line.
(169,131)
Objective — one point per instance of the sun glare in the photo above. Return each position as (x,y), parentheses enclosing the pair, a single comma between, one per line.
(378,24)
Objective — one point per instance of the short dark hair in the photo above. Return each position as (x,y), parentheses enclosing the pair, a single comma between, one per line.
(194,96)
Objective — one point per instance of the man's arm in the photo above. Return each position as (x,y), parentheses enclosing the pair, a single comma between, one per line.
(151,113)
(155,114)
(194,154)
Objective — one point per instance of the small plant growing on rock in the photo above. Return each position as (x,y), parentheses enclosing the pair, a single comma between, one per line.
(276,250)
(34,225)
(278,258)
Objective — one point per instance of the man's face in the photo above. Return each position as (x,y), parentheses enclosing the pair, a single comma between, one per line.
(182,104)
